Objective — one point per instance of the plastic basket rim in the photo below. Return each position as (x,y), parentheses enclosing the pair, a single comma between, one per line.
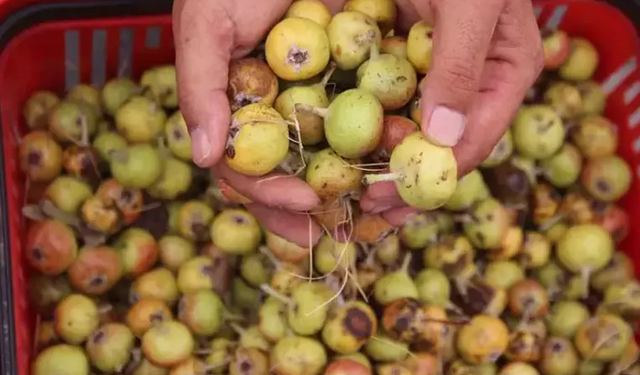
(15,26)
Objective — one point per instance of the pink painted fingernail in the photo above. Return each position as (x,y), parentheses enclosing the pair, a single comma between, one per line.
(201,148)
(446,126)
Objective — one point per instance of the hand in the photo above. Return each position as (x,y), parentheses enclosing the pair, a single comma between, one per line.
(486,54)
(208,33)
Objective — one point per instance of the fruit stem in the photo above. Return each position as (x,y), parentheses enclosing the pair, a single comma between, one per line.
(50,210)
(375,52)
(273,293)
(405,263)
(322,112)
(228,315)
(327,76)
(237,329)
(585,274)
(373,178)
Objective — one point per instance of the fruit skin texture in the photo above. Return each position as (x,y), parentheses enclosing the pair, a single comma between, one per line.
(51,247)
(101,263)
(607,178)
(138,166)
(167,344)
(346,366)
(353,123)
(68,193)
(331,176)
(256,147)
(202,312)
(585,246)
(178,138)
(538,132)
(563,168)
(395,45)
(61,359)
(603,325)
(392,80)
(296,355)
(483,340)
(382,11)
(313,10)
(428,173)
(251,81)
(138,250)
(37,108)
(41,146)
(140,120)
(75,318)
(109,348)
(236,232)
(420,46)
(595,136)
(144,313)
(351,35)
(175,180)
(582,61)
(297,38)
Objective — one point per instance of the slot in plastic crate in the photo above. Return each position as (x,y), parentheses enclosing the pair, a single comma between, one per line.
(42,47)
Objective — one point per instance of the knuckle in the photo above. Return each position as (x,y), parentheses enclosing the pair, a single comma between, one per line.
(460,76)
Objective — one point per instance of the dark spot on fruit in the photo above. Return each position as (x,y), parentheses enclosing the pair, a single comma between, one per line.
(99,337)
(324,185)
(603,186)
(489,217)
(86,165)
(297,56)
(480,237)
(126,195)
(199,230)
(246,367)
(34,158)
(239,220)
(358,324)
(479,296)
(557,347)
(157,317)
(401,79)
(230,151)
(444,176)
(97,281)
(79,121)
(37,254)
(177,133)
(429,34)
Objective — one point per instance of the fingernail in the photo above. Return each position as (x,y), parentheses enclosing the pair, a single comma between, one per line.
(446,126)
(201,147)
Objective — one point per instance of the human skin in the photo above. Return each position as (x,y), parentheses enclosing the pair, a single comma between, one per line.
(486,54)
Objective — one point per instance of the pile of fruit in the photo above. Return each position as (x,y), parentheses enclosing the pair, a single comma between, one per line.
(144,265)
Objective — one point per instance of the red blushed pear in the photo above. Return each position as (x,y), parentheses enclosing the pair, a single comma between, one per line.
(346,367)
(395,130)
(138,250)
(51,247)
(557,47)
(95,270)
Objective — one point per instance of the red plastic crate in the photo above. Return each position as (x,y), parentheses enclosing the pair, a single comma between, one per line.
(56,55)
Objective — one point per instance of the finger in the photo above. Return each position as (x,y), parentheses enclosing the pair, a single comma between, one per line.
(204,39)
(380,197)
(399,216)
(514,62)
(462,33)
(275,190)
(296,227)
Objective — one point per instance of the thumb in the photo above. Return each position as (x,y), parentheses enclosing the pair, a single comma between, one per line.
(203,36)
(462,33)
